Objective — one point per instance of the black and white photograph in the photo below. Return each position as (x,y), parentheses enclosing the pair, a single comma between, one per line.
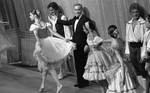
(74,46)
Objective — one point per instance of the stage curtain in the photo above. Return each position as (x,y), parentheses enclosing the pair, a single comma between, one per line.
(102,12)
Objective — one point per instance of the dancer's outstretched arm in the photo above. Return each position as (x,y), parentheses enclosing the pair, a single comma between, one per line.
(3,22)
(55,33)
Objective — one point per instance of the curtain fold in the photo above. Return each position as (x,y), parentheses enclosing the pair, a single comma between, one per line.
(102,12)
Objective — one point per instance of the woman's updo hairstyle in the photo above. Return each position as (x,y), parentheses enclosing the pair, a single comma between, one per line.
(111,30)
(37,13)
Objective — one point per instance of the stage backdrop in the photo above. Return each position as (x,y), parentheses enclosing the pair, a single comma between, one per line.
(102,12)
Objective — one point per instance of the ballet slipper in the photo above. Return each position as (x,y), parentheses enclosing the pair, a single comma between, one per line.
(61,76)
(59,88)
(41,89)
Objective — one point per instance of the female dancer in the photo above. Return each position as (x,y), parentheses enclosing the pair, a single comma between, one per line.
(5,41)
(48,50)
(121,75)
(98,60)
(63,30)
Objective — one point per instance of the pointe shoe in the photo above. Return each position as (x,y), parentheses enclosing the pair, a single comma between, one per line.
(59,88)
(41,89)
(60,76)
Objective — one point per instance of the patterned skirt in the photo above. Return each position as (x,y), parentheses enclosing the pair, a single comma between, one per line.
(97,64)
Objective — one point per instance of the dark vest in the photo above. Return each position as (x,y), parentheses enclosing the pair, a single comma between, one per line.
(59,27)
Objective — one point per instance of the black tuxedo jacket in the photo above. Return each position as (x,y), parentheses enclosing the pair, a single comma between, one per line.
(79,36)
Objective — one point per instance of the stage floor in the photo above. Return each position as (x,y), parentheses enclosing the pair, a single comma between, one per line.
(19,79)
(15,78)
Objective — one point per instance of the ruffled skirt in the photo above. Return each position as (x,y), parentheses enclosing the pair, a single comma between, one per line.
(131,83)
(5,42)
(97,64)
(52,52)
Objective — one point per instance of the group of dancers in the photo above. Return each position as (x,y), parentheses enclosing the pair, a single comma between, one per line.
(120,63)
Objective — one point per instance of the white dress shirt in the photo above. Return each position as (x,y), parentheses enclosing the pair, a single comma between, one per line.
(136,35)
(76,22)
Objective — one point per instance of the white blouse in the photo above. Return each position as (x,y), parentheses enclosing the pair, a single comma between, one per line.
(136,35)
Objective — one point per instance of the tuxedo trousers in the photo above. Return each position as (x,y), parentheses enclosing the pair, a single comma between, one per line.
(80,62)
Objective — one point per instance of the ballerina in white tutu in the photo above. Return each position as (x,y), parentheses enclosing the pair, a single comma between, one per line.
(48,50)
(121,75)
(5,42)
(98,60)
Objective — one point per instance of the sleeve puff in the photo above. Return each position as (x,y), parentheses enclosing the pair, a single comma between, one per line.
(64,17)
(97,40)
(33,27)
(48,24)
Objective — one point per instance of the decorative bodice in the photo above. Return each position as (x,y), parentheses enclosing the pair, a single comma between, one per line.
(41,31)
(93,43)
(117,46)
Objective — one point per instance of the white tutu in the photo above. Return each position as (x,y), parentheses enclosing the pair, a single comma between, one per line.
(54,49)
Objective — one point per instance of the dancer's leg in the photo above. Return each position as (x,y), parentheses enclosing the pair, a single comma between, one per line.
(44,75)
(54,75)
(145,85)
(60,75)
(62,71)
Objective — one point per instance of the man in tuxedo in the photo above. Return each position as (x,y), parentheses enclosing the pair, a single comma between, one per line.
(79,37)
